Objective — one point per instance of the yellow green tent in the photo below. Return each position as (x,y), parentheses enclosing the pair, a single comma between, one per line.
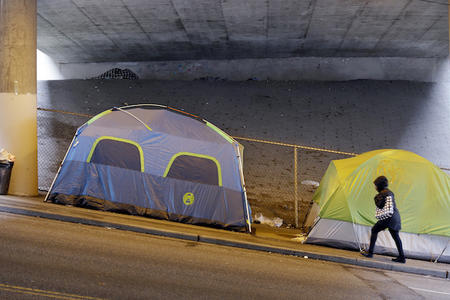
(346,206)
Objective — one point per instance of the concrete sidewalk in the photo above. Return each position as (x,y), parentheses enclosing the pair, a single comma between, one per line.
(264,238)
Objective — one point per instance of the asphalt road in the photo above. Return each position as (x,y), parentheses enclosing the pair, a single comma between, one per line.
(45,259)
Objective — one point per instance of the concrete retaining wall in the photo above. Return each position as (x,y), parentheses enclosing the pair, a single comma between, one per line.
(300,68)
(354,116)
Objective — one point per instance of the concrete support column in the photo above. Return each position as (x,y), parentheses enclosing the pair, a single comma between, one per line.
(18,122)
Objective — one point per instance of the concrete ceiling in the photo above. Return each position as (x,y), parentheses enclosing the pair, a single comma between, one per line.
(76,31)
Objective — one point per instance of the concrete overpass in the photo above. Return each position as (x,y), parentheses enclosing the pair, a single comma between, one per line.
(81,31)
(237,40)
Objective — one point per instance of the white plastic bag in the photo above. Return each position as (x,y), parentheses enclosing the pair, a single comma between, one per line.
(6,157)
(275,222)
(310,182)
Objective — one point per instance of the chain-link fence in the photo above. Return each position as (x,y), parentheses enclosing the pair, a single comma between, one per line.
(55,132)
(279,177)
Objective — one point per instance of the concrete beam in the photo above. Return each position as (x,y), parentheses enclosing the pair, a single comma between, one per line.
(58,45)
(300,68)
(18,122)
(413,41)
(72,22)
(120,26)
(204,25)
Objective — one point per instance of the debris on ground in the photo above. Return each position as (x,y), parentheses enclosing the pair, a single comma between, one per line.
(275,222)
(310,182)
(301,237)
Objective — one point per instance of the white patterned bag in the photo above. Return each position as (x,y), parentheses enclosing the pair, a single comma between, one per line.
(387,211)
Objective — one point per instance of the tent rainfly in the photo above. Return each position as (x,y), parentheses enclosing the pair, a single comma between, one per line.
(345,208)
(157,161)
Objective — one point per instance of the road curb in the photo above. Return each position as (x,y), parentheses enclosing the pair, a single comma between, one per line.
(331,258)
(232,243)
(165,233)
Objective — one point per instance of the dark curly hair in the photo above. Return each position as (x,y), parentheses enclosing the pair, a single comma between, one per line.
(381,183)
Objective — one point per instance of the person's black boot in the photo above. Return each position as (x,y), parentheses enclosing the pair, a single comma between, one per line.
(366,254)
(399,259)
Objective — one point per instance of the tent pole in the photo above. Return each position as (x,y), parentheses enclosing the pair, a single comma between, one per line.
(241,173)
(356,234)
(139,120)
(295,187)
(445,248)
(59,169)
(354,231)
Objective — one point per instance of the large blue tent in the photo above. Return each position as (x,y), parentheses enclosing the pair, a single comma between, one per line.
(155,161)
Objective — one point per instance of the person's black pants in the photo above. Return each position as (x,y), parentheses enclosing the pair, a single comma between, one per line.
(380,226)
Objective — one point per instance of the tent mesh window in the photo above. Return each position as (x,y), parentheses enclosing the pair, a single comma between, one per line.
(195,169)
(117,154)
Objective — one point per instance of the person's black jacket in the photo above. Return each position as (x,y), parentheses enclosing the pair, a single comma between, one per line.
(393,222)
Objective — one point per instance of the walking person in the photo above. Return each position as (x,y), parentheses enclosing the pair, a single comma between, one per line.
(388,217)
